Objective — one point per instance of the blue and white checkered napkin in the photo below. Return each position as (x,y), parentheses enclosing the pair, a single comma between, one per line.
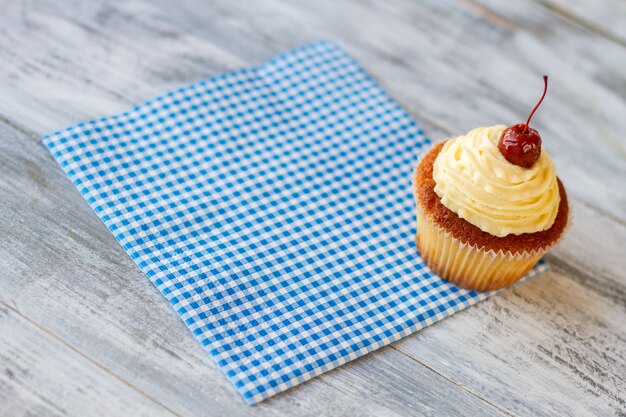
(272,207)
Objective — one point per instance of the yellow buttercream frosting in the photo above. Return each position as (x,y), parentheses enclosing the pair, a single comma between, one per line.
(474,180)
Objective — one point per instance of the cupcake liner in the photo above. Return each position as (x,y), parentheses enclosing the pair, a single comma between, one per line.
(466,265)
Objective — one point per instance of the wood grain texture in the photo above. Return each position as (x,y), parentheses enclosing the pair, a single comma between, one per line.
(604,18)
(41,376)
(553,346)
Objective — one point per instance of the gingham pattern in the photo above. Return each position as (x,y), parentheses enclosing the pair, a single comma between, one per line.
(272,207)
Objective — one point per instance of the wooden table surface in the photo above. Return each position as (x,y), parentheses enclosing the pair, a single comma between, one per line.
(83,332)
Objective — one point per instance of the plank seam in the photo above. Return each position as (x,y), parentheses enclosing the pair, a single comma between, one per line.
(456,383)
(581,22)
(63,342)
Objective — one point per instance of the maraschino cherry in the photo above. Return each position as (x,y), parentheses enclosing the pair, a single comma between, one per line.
(521,144)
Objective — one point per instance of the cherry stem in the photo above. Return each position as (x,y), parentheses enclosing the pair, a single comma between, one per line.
(545,90)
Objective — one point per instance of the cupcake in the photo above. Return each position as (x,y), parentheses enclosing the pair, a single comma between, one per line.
(489,205)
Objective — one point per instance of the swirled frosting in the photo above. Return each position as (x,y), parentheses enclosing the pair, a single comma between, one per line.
(475,181)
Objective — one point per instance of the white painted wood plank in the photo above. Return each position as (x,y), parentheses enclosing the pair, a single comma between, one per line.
(548,347)
(454,65)
(41,376)
(606,18)
(61,268)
